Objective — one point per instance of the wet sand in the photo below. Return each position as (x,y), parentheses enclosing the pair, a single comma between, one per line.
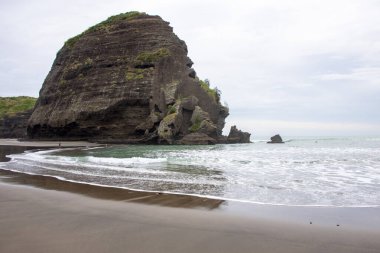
(37,220)
(109,193)
(44,214)
(46,144)
(366,218)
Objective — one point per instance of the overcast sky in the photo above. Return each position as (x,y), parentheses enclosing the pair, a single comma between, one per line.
(287,66)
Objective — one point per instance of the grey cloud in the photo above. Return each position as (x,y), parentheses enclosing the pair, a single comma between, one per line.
(293,60)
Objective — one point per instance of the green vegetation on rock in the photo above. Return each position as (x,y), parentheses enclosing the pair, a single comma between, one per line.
(105,25)
(86,64)
(171,109)
(130,76)
(75,69)
(151,57)
(71,42)
(214,93)
(170,118)
(196,126)
(12,105)
(135,74)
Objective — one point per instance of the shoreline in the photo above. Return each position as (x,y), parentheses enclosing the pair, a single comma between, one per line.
(108,193)
(364,218)
(42,214)
(352,218)
(47,144)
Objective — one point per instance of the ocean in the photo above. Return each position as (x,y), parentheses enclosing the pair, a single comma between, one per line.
(312,171)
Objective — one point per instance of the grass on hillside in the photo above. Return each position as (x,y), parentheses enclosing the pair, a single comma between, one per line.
(12,105)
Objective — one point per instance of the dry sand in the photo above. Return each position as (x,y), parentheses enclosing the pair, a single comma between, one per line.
(40,220)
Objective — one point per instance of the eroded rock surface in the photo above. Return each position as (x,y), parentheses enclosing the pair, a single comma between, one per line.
(14,126)
(197,139)
(238,136)
(127,79)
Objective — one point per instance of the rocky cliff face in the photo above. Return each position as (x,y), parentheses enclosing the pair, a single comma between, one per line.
(127,79)
(14,126)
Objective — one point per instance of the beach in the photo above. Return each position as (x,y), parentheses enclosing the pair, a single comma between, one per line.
(137,127)
(44,214)
(46,144)
(36,220)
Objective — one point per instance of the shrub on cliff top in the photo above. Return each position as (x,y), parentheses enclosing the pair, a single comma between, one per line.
(214,93)
(114,19)
(104,25)
(12,105)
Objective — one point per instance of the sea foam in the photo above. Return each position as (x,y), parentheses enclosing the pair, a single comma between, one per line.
(306,172)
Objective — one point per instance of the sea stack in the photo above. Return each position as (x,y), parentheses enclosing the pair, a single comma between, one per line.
(238,136)
(127,79)
(275,139)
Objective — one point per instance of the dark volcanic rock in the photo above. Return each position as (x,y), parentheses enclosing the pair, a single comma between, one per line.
(14,126)
(189,103)
(275,139)
(238,136)
(127,79)
(197,139)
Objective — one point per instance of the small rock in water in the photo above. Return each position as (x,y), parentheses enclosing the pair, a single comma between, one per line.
(275,139)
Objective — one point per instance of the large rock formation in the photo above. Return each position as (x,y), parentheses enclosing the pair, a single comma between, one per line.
(238,136)
(127,79)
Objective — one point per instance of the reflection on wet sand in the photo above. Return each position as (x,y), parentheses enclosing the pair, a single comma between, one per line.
(163,199)
(7,150)
(110,193)
(150,177)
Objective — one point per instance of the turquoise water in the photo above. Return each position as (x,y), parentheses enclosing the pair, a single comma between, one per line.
(303,171)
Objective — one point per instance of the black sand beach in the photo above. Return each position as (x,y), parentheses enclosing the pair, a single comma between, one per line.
(43,214)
